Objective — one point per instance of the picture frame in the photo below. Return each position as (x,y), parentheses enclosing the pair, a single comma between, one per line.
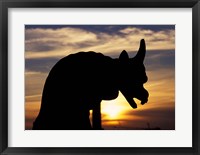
(6,4)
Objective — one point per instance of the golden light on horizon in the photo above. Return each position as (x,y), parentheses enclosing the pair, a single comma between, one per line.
(114,109)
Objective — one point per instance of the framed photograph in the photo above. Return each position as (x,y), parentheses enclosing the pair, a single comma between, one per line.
(108,77)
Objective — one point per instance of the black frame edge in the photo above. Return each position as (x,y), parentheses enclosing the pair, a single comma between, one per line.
(195,75)
(198,65)
(4,78)
(4,149)
(1,88)
(101,3)
(103,151)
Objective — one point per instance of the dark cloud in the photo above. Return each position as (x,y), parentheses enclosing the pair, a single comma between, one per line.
(103,28)
(154,60)
(163,118)
(160,59)
(40,64)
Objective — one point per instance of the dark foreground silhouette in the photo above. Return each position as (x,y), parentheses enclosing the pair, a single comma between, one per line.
(79,82)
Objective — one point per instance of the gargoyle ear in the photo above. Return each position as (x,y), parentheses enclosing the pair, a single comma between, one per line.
(123,56)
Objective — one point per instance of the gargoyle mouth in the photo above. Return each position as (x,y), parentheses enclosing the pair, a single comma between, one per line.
(143,98)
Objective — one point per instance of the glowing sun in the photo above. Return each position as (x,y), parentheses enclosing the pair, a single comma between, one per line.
(112,111)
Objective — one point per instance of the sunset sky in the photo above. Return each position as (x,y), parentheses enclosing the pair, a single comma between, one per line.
(47,44)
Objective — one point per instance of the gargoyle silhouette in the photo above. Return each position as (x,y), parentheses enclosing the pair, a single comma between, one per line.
(79,82)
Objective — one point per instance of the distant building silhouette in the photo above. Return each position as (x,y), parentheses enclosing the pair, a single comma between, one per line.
(79,82)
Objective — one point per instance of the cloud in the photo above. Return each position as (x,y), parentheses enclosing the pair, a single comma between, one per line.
(33,98)
(45,40)
(67,33)
(43,45)
(63,41)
